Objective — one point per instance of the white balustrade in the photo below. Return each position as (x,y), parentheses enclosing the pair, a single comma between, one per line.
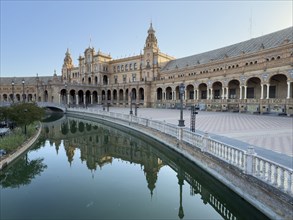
(134,119)
(171,130)
(192,138)
(228,153)
(274,174)
(143,121)
(156,125)
(249,162)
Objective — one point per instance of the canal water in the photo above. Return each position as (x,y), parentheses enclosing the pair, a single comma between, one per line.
(82,169)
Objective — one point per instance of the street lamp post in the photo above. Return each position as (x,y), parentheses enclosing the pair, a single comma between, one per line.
(131,112)
(23,98)
(193,117)
(135,109)
(181,92)
(12,85)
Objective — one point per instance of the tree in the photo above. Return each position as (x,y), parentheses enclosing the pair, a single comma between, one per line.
(4,113)
(22,172)
(25,113)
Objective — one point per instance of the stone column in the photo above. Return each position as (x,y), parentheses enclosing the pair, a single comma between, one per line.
(59,98)
(240,92)
(245,92)
(91,98)
(76,97)
(185,94)
(211,95)
(268,91)
(288,90)
(194,94)
(156,96)
(208,93)
(197,94)
(84,99)
(175,95)
(68,99)
(261,91)
(227,93)
(223,93)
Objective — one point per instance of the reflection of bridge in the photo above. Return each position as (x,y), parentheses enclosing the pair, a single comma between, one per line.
(98,143)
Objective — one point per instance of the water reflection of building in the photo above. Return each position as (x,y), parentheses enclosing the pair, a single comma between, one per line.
(99,144)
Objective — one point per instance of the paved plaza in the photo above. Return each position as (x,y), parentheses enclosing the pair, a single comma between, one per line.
(268,132)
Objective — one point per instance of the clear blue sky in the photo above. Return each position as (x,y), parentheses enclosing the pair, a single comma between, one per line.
(36,34)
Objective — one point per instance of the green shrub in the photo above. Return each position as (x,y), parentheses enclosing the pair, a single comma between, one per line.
(16,138)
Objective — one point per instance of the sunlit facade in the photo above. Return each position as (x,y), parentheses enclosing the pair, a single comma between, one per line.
(252,76)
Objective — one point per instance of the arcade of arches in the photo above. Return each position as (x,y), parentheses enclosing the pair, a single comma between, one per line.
(86,97)
(255,94)
(252,94)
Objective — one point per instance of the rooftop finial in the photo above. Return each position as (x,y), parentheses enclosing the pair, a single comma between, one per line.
(151,30)
(90,41)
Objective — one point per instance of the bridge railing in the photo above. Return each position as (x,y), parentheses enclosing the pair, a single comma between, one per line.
(52,104)
(247,161)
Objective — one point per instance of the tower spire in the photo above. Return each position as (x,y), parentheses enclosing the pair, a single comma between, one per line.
(151,41)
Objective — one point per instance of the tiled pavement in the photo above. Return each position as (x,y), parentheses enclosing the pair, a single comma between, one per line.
(270,134)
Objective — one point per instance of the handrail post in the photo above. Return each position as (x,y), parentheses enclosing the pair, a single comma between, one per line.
(250,154)
(205,142)
(180,133)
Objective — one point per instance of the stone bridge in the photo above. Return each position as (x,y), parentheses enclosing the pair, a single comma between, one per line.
(50,105)
(53,106)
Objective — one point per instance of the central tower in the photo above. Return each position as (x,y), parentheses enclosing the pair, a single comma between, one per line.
(150,56)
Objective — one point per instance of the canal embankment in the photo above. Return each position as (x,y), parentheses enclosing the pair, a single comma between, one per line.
(9,158)
(263,183)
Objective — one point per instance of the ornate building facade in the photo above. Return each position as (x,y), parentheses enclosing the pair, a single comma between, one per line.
(253,76)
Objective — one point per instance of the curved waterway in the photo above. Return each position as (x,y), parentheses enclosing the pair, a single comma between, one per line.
(81,169)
